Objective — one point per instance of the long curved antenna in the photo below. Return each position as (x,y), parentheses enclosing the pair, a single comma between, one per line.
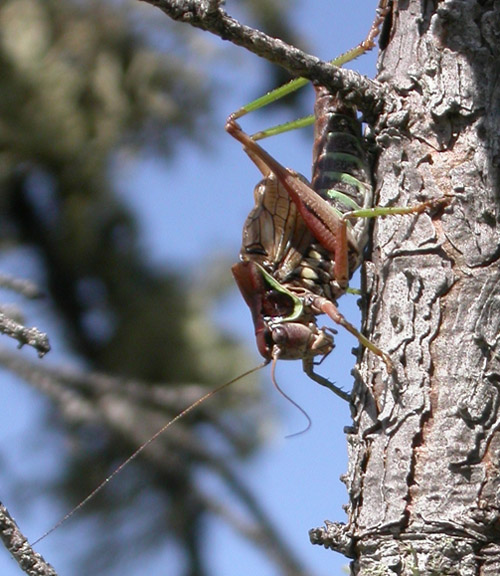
(145,445)
(285,395)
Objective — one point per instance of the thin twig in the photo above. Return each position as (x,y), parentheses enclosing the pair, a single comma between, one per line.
(30,562)
(367,95)
(30,336)
(26,288)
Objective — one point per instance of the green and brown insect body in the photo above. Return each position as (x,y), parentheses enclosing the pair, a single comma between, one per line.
(298,237)
(324,249)
(275,241)
(341,176)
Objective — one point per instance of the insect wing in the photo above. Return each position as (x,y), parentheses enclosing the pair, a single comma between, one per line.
(274,233)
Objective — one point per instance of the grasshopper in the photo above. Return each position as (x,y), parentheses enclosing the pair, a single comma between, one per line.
(299,247)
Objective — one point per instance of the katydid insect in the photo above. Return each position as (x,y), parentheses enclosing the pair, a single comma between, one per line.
(284,312)
(299,247)
(297,339)
(299,250)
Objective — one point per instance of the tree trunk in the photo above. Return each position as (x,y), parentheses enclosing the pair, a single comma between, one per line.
(423,477)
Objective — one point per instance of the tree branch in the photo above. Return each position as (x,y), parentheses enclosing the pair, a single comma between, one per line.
(30,336)
(17,544)
(367,95)
(22,286)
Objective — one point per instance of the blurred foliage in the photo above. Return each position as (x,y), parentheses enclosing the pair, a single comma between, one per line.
(79,84)
(80,80)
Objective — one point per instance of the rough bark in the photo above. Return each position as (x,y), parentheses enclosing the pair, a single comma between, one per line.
(423,476)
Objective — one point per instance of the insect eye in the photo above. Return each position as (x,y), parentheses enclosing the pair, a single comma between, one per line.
(280,336)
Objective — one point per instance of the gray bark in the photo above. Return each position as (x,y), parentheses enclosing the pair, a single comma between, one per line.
(423,476)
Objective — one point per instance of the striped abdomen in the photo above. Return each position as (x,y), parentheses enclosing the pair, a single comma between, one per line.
(341,171)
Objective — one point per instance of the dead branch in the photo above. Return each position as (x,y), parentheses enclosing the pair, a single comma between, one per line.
(30,336)
(17,544)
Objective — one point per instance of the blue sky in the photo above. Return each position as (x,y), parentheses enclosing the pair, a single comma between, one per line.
(189,209)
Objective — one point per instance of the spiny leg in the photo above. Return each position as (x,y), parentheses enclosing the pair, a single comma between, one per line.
(308,367)
(380,211)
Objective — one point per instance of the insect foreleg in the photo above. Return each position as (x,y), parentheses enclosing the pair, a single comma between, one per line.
(324,306)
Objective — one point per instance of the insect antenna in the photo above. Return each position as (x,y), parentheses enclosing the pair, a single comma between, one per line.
(285,395)
(143,446)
